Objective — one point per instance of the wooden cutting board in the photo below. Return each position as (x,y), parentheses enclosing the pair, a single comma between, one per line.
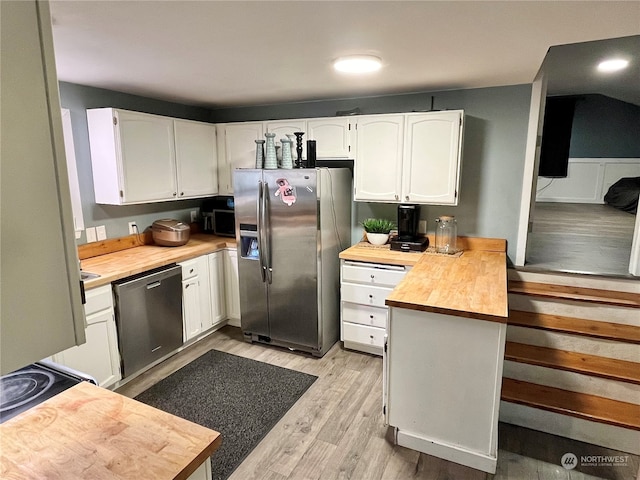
(90,432)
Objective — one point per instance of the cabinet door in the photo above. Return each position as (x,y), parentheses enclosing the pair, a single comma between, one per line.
(147,157)
(232,289)
(378,163)
(217,287)
(239,141)
(332,136)
(35,191)
(99,356)
(432,158)
(283,127)
(191,313)
(196,158)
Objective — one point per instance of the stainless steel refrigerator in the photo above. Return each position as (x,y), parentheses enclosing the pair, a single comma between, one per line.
(290,226)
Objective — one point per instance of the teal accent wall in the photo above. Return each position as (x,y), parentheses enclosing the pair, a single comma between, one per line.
(604,127)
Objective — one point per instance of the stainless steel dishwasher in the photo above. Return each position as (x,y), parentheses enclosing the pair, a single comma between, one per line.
(148,317)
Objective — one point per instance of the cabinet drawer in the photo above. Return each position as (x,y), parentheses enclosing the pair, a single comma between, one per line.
(192,268)
(362,334)
(98,299)
(364,315)
(365,294)
(372,276)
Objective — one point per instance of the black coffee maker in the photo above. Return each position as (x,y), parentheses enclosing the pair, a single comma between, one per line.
(408,238)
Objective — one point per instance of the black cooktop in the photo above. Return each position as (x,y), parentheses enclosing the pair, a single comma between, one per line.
(27,387)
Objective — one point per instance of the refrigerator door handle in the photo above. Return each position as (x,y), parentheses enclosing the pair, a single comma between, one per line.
(259,208)
(267,231)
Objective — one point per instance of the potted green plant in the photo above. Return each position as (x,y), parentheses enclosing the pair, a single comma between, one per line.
(378,230)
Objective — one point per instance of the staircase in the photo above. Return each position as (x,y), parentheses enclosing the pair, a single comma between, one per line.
(572,358)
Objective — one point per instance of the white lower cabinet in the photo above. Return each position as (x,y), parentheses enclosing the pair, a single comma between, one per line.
(204,293)
(232,284)
(363,314)
(99,356)
(203,472)
(196,297)
(217,288)
(442,379)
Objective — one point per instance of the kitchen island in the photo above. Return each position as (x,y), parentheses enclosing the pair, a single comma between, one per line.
(89,432)
(444,351)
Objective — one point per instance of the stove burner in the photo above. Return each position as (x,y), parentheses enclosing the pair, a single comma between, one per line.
(23,386)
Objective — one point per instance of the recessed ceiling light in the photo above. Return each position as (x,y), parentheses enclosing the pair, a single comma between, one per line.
(613,65)
(357,64)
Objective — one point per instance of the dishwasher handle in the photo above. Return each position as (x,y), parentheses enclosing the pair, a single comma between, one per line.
(153,285)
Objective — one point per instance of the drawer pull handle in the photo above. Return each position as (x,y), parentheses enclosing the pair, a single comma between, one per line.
(370,296)
(371,337)
(191,271)
(372,277)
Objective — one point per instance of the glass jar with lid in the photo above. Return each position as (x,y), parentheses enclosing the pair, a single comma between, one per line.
(446,234)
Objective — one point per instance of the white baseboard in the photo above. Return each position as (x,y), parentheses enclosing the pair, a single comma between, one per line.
(453,453)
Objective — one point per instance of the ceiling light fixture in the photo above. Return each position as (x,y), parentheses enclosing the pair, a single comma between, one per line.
(613,65)
(358,64)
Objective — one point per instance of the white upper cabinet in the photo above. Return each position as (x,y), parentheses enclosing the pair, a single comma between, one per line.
(283,127)
(378,165)
(140,158)
(431,166)
(412,157)
(332,136)
(237,149)
(196,158)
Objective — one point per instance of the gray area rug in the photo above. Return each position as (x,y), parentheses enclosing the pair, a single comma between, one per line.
(240,398)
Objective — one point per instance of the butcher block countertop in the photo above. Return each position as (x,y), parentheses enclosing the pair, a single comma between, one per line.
(90,432)
(473,284)
(138,259)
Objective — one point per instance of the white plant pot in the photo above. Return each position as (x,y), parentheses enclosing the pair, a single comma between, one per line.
(377,238)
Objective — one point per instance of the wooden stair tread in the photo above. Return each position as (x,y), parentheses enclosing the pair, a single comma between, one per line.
(593,365)
(578,326)
(592,295)
(580,405)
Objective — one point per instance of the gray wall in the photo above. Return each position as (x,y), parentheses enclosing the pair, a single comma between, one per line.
(604,127)
(77,98)
(493,152)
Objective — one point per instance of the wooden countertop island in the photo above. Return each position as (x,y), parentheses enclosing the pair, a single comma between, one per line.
(87,432)
(444,349)
(472,285)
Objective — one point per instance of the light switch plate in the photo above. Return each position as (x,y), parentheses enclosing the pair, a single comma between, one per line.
(101,232)
(91,234)
(194,215)
(422,226)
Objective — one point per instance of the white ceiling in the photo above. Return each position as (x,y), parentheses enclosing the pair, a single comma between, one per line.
(231,53)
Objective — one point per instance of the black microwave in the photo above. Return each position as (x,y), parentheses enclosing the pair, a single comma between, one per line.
(219,217)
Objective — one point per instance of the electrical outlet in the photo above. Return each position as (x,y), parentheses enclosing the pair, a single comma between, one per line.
(422,226)
(194,215)
(101,232)
(133,228)
(91,234)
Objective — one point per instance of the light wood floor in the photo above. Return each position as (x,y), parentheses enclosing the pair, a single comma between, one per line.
(580,238)
(336,431)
